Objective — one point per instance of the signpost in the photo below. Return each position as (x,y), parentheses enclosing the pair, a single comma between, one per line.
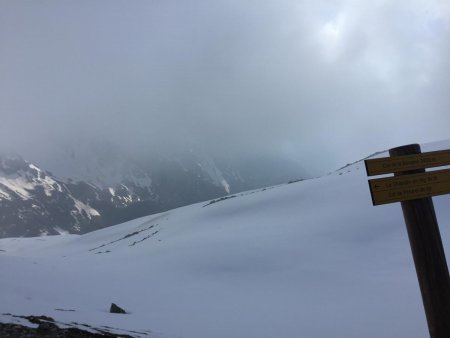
(387,165)
(409,187)
(413,188)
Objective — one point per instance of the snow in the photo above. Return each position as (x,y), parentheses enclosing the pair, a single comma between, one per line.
(15,320)
(18,185)
(4,195)
(61,231)
(111,191)
(32,166)
(49,186)
(225,185)
(308,259)
(23,183)
(80,207)
(209,167)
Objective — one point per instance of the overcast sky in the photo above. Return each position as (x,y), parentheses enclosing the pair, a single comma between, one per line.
(326,82)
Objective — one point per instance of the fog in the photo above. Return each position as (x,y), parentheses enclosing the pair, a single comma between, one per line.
(323,82)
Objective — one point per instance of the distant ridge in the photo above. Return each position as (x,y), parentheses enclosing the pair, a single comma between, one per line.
(35,202)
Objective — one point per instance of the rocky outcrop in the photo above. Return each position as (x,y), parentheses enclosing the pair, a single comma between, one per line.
(116,309)
(47,328)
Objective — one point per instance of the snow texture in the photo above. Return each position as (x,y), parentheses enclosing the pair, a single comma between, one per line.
(22,183)
(309,259)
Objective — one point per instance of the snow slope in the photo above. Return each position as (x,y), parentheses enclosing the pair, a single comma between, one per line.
(308,259)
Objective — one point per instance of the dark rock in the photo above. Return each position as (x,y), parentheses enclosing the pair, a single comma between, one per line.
(47,330)
(46,327)
(116,309)
(39,319)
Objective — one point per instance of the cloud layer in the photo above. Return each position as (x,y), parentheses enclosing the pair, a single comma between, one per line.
(325,82)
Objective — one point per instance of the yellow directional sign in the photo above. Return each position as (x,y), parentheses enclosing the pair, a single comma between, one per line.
(386,165)
(415,191)
(409,187)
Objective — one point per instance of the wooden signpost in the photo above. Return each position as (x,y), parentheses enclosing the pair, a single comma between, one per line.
(387,165)
(409,187)
(413,187)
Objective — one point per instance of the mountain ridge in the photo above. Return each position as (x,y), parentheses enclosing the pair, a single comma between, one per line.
(34,201)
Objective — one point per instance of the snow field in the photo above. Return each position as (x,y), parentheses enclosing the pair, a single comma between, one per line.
(309,259)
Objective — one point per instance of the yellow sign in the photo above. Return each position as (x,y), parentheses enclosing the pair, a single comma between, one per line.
(386,165)
(409,187)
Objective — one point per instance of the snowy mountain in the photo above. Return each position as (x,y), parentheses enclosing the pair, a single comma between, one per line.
(309,259)
(101,186)
(33,202)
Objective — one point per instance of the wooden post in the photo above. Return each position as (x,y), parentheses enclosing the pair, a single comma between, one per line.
(428,254)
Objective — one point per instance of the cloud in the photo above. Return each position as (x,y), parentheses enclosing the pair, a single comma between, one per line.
(326,82)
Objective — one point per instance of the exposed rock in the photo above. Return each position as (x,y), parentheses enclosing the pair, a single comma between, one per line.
(48,327)
(116,309)
(49,330)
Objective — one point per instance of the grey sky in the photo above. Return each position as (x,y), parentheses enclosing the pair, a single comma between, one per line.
(326,82)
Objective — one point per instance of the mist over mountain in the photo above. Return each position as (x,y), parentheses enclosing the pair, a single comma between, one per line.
(85,187)
(321,82)
(177,158)
(105,163)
